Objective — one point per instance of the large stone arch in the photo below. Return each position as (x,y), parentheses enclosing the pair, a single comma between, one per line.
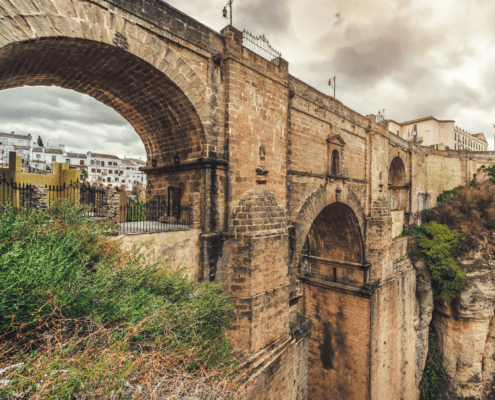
(333,275)
(314,205)
(91,48)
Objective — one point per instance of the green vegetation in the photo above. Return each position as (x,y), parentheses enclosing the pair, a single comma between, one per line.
(433,373)
(446,194)
(73,301)
(440,246)
(491,172)
(137,211)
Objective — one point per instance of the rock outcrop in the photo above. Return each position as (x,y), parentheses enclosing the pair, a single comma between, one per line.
(424,308)
(466,332)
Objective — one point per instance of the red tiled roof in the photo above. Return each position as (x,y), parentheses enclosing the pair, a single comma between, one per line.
(480,136)
(97,155)
(419,120)
(15,136)
(53,151)
(76,155)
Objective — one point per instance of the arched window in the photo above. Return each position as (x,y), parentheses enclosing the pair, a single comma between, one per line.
(335,163)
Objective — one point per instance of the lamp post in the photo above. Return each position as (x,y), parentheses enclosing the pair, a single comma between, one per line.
(333,81)
(229,4)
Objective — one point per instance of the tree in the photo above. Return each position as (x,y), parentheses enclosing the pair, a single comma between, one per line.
(40,142)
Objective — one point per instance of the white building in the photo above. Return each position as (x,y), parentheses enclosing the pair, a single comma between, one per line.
(442,134)
(98,169)
(21,144)
(106,170)
(133,172)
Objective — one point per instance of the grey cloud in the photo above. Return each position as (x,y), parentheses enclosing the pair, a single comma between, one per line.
(48,102)
(63,116)
(264,16)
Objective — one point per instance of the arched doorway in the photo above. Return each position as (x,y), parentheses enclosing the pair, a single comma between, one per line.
(159,111)
(398,191)
(333,278)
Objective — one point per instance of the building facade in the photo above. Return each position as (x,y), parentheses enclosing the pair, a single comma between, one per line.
(13,142)
(98,169)
(443,134)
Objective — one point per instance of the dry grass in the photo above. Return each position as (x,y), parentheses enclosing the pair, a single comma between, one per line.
(79,359)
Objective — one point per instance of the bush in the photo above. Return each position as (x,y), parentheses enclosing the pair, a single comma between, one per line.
(446,194)
(440,246)
(61,273)
(432,374)
(137,211)
(468,210)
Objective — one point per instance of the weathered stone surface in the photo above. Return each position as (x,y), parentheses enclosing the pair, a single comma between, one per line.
(465,331)
(250,147)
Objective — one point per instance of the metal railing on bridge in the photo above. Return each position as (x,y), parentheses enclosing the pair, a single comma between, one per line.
(140,216)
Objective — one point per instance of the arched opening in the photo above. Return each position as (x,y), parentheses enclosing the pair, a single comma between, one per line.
(397,173)
(46,125)
(335,163)
(161,113)
(338,349)
(398,191)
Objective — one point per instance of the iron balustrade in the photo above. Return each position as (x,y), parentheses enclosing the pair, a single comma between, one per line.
(259,45)
(15,194)
(139,216)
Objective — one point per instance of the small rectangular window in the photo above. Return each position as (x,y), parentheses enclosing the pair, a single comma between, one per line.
(54,158)
(93,170)
(103,163)
(67,160)
(38,155)
(81,162)
(98,163)
(92,162)
(174,201)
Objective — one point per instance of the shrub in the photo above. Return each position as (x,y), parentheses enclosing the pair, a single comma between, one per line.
(137,211)
(440,246)
(470,211)
(446,194)
(433,373)
(58,266)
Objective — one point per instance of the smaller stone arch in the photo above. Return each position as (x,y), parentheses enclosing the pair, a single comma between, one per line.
(398,189)
(397,173)
(313,206)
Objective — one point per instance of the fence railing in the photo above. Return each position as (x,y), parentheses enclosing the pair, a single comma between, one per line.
(259,45)
(134,217)
(15,193)
(139,216)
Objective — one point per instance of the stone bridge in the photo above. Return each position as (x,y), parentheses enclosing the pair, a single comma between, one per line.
(302,198)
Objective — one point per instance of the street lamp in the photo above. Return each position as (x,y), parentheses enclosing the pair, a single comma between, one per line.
(229,4)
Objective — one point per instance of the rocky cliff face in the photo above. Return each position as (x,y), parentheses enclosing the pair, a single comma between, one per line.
(424,309)
(465,328)
(466,332)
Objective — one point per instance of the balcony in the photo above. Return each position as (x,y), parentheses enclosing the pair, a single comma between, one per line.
(417,139)
(338,172)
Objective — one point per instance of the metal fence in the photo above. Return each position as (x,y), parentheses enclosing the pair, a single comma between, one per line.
(139,216)
(16,194)
(259,45)
(134,217)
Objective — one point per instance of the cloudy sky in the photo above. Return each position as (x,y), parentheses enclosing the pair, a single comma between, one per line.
(413,58)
